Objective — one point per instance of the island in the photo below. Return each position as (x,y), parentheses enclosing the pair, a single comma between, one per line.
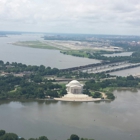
(20,81)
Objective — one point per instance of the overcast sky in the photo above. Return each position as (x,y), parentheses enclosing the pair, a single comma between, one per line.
(71,16)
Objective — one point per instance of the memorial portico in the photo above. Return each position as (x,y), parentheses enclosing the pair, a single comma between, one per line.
(74,87)
(74,93)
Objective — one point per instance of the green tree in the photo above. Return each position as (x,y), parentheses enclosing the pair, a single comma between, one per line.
(86,91)
(63,92)
(9,136)
(43,138)
(2,132)
(110,96)
(74,137)
(97,95)
(1,62)
(37,78)
(130,77)
(21,139)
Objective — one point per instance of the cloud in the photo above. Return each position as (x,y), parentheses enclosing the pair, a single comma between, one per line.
(85,16)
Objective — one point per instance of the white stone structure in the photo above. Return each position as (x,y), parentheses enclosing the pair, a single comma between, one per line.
(74,90)
(74,93)
(74,87)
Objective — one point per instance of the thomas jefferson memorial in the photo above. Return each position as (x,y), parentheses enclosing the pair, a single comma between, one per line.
(74,93)
(74,89)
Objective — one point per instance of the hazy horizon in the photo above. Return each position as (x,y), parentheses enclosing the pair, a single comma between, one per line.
(61,33)
(111,17)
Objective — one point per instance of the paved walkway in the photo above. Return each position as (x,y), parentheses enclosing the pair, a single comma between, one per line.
(78,99)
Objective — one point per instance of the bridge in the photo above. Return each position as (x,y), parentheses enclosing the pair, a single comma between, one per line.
(105,67)
(112,69)
(94,65)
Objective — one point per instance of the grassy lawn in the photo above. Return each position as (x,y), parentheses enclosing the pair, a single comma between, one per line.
(79,53)
(108,89)
(35,44)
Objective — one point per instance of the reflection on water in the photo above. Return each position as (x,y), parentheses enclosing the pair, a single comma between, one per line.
(17,105)
(4,102)
(51,102)
(71,103)
(58,120)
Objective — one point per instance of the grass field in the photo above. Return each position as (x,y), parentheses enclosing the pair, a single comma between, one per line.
(35,44)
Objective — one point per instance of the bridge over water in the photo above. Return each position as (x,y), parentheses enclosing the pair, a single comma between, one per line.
(103,67)
(113,68)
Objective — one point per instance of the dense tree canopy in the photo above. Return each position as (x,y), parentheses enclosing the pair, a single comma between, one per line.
(97,95)
(21,87)
(128,81)
(9,136)
(43,138)
(2,132)
(12,136)
(74,137)
(34,84)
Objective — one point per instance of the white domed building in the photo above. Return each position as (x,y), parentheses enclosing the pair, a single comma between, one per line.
(74,93)
(74,87)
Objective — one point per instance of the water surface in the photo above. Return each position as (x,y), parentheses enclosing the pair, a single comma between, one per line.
(119,54)
(36,56)
(58,120)
(127,72)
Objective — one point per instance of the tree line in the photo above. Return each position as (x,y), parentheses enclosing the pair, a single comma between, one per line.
(134,58)
(93,85)
(22,87)
(15,67)
(36,84)
(37,72)
(13,136)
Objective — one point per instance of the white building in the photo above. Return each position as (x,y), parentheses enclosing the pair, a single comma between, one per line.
(74,93)
(74,87)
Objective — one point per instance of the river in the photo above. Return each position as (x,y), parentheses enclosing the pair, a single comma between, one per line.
(116,120)
(52,58)
(127,72)
(32,56)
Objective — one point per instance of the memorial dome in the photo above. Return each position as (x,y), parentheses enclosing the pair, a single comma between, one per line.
(74,82)
(74,87)
(74,92)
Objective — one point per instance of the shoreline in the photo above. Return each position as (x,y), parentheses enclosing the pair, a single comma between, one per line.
(57,99)
(70,100)
(77,100)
